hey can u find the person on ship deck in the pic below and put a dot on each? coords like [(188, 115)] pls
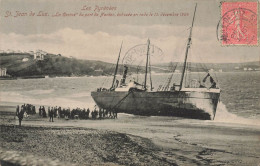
[(212, 81)]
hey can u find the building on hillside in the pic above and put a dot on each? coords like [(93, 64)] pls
[(98, 72), (3, 72), (9, 51), (211, 70), (39, 55), (25, 59)]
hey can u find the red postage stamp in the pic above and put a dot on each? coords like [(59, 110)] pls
[(239, 23)]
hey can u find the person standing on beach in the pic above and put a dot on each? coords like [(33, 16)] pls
[(88, 113), (115, 113), (51, 114), (83, 114), (17, 110), (106, 112), (100, 113), (95, 113), (55, 110), (49, 111), (40, 111), (34, 111), (109, 112), (44, 112), (59, 112), (92, 114), (103, 113), (20, 115)]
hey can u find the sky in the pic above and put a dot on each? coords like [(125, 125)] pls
[(99, 37)]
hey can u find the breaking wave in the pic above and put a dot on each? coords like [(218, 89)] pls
[(77, 95), (37, 92), (15, 97), (224, 116)]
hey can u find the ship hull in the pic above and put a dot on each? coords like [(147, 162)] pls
[(188, 104)]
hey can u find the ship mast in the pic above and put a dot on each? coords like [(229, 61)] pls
[(145, 78), (187, 50), (150, 71), (116, 66)]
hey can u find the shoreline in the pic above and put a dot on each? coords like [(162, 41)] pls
[(153, 140), (100, 76), (235, 120)]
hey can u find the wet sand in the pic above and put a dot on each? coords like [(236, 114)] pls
[(138, 140)]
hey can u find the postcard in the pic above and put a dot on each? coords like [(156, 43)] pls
[(140, 82)]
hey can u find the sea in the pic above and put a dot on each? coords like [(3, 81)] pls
[(239, 100)]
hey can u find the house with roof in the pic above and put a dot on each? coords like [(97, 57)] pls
[(3, 72), (39, 55)]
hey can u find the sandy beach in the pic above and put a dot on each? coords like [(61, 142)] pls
[(133, 140), (95, 66), (81, 146)]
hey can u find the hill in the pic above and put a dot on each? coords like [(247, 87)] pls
[(225, 67), (19, 65), (24, 64)]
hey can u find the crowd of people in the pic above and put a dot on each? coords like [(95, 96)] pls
[(66, 113), (29, 109), (25, 111), (77, 113)]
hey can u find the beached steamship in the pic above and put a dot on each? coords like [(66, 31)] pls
[(194, 101)]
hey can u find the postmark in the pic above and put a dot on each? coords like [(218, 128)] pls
[(136, 55), (238, 24)]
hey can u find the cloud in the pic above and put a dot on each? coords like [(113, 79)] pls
[(105, 46)]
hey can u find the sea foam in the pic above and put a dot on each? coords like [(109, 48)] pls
[(224, 116)]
